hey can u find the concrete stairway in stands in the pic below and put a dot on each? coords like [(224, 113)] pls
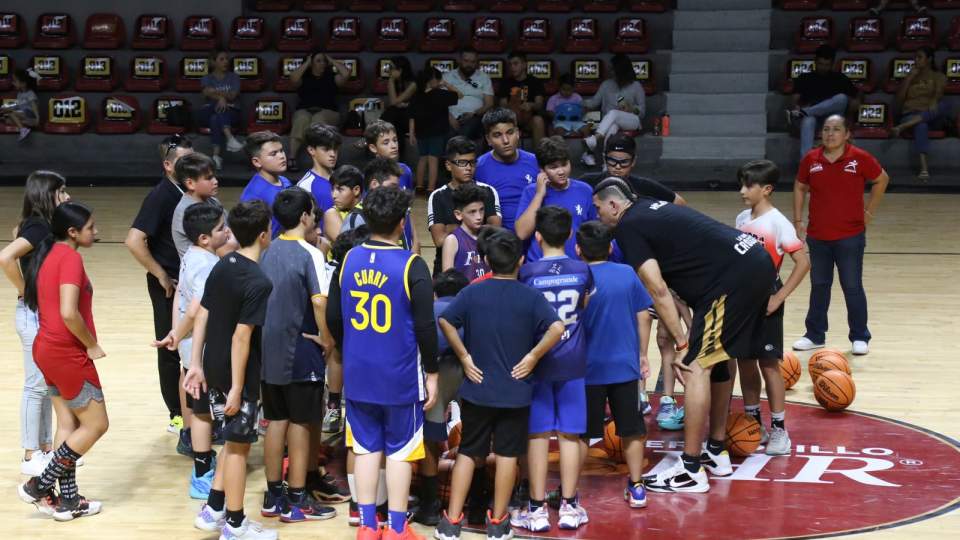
[(718, 81)]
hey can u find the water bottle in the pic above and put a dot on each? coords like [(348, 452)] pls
[(666, 125)]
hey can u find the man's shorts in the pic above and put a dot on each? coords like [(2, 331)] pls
[(507, 427), (395, 430), (623, 398), (200, 405), (771, 342), (559, 406), (298, 402), (239, 428), (448, 385)]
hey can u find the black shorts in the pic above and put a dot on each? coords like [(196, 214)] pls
[(239, 428), (624, 405), (771, 335), (509, 428), (298, 402), (201, 405)]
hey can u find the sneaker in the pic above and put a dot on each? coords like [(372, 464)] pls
[(24, 131), (272, 505), (591, 142), (233, 145), (175, 425), (77, 508), (446, 529), (533, 520), (635, 495), (200, 486), (499, 530), (332, 421), (645, 407), (36, 464), (572, 517), (209, 519), (428, 514), (184, 444), (667, 406), (326, 490), (369, 533), (353, 516), (677, 479), (521, 495), (779, 443), (672, 421), (217, 162), (46, 503), (248, 530), (407, 534), (716, 464), (306, 509), (860, 348), (804, 344), (587, 159)]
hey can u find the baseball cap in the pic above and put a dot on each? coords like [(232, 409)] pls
[(619, 142)]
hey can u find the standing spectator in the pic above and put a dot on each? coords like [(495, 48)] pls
[(428, 124), (317, 81), (819, 94), (920, 97), (565, 109), (834, 176), (524, 95), (221, 112), (477, 91), (24, 114), (506, 166), (401, 88), (622, 101)]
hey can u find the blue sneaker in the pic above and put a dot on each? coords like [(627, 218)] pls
[(306, 509), (670, 416), (635, 495), (200, 487), (272, 505)]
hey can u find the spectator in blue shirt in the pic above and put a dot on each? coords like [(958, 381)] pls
[(221, 112)]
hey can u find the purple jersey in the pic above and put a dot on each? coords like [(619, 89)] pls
[(467, 261), (565, 283)]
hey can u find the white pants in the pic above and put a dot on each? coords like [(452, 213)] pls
[(616, 120)]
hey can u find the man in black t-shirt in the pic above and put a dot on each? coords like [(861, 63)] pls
[(524, 95), (150, 241), (725, 275), (620, 156), (818, 94)]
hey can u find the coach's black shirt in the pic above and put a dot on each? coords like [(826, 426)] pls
[(644, 187), (154, 220)]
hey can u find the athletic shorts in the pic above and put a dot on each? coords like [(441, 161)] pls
[(449, 379), (395, 430), (507, 427), (559, 406), (431, 145), (623, 398), (772, 333), (239, 428), (570, 126), (201, 405), (298, 402), (87, 393)]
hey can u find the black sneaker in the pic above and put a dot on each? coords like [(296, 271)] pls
[(499, 530), (448, 530), (521, 495), (428, 513), (184, 444), (46, 502), (326, 490), (79, 507)]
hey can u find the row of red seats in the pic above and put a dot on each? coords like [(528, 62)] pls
[(860, 72), (874, 120), (150, 73), (867, 34), (201, 32), (551, 6), (859, 5)]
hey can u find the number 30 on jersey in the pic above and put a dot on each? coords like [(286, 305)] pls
[(373, 311)]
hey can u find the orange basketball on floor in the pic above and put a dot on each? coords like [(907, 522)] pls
[(825, 361), (612, 443), (453, 438), (834, 390), (790, 369), (743, 434)]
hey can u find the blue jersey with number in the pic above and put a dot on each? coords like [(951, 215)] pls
[(565, 283), (381, 362)]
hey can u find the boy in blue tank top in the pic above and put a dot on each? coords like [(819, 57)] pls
[(380, 311), (559, 398), (460, 247)]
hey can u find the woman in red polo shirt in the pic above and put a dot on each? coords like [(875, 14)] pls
[(835, 175), (57, 287)]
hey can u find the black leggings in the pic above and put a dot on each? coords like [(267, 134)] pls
[(168, 362)]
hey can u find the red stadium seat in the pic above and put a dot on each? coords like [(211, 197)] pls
[(850, 5), (414, 5), (54, 75), (600, 6), (646, 6), (200, 33), (361, 105), (793, 69), (154, 32), (297, 35), (273, 5), (953, 35), (97, 74), (459, 5), (148, 73), (319, 5), (355, 82), (487, 35), (535, 36), (191, 70), (345, 35), (439, 35), (66, 115), (382, 75), (917, 31), (645, 76), (119, 115), (250, 71), (286, 66), (554, 6), (866, 35), (13, 33), (951, 67), (269, 113), (494, 68), (546, 72), (393, 35), (630, 36), (860, 73), (365, 5), (6, 72), (507, 6), (54, 31), (248, 34), (873, 121), (104, 31), (587, 75), (898, 69), (800, 5), (814, 32), (158, 115), (583, 36)]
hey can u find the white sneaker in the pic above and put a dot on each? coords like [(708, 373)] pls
[(677, 479), (533, 520), (716, 464), (218, 163), (591, 142), (779, 443), (572, 517), (209, 519), (860, 348), (233, 145), (804, 344), (248, 530), (24, 131), (36, 464), (587, 159)]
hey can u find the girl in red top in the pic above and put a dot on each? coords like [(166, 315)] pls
[(57, 287)]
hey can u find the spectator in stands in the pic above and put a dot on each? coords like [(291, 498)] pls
[(917, 6), (428, 124), (920, 97), (524, 95), (819, 94), (316, 81), (565, 109), (477, 91), (621, 100), (401, 87), (221, 87), (24, 113)]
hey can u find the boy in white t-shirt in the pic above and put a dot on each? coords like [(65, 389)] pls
[(757, 180)]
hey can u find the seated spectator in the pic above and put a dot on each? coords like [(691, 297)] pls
[(24, 114), (477, 91), (921, 105), (221, 87), (524, 95), (401, 87), (565, 110), (316, 81), (428, 123), (882, 5), (621, 100), (819, 94)]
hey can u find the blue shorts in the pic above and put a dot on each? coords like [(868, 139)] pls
[(559, 406), (431, 145), (570, 126), (396, 430)]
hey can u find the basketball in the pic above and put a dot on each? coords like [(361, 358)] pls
[(453, 438), (834, 390), (743, 434), (790, 369), (612, 443), (826, 360)]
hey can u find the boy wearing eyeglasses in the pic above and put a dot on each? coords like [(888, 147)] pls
[(619, 158)]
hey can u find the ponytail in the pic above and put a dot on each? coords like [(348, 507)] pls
[(69, 215)]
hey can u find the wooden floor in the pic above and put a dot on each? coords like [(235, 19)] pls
[(912, 373)]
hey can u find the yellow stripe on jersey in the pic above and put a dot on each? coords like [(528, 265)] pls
[(343, 264), (406, 274), (368, 246)]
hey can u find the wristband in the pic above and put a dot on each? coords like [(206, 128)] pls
[(681, 348)]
